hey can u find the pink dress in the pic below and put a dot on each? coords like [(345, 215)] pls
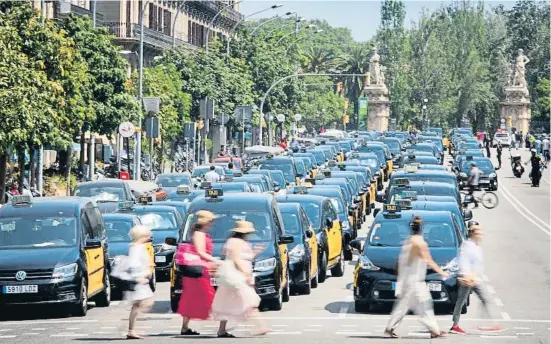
[(235, 304), (197, 293)]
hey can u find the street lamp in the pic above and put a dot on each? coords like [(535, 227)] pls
[(271, 20), (311, 26), (179, 9), (273, 7), (300, 38), (214, 18), (296, 22)]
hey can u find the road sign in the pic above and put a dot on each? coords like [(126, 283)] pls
[(502, 125), (206, 108), (152, 128), (503, 120), (127, 129), (298, 117), (280, 117), (244, 114), (151, 104), (363, 105), (189, 130)]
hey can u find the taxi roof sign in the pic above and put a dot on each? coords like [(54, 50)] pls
[(147, 199), (411, 168), (22, 199), (404, 203), (300, 190), (401, 181), (183, 190), (391, 208), (269, 156), (205, 185), (412, 195), (126, 205), (214, 193)]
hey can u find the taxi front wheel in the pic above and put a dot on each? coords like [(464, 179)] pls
[(338, 270), (81, 309), (104, 298)]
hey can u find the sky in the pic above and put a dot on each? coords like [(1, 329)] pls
[(362, 17)]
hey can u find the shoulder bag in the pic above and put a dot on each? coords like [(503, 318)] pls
[(188, 262)]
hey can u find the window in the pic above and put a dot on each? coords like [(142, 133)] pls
[(304, 219), (87, 228), (331, 211), (152, 16)]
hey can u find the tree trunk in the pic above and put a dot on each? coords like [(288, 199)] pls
[(3, 171), (68, 171), (21, 163), (82, 150), (32, 166)]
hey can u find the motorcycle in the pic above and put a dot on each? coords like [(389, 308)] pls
[(516, 165)]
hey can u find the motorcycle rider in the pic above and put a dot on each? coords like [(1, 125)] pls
[(211, 176), (474, 178), (499, 150), (535, 174)]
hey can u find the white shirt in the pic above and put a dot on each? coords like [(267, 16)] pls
[(545, 144), (471, 259), (212, 177), (475, 175)]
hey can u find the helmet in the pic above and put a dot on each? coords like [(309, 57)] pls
[(533, 150), (472, 223)]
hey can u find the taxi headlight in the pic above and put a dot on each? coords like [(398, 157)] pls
[(265, 265), (493, 175), (463, 175), (297, 253), (366, 264), (452, 267), (65, 271)]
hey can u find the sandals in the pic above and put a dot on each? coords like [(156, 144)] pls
[(133, 336), (189, 332), (440, 335), (261, 332), (226, 335)]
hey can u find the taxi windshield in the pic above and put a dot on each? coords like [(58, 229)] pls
[(484, 165), (393, 233), (222, 227), (414, 177), (371, 162), (291, 224), (313, 212), (301, 169), (320, 157), (287, 169), (158, 220), (118, 230), (393, 145), (37, 231), (100, 193), (279, 178), (199, 171), (173, 181)]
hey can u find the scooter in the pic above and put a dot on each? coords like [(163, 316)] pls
[(516, 165)]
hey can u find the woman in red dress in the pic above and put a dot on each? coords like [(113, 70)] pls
[(197, 293)]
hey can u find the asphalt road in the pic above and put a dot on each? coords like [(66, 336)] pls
[(517, 254)]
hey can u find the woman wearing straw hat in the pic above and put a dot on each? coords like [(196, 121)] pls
[(197, 293), (240, 301), (140, 267)]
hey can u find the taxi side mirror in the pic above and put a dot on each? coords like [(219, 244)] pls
[(171, 241), (277, 188), (375, 212), (329, 223), (467, 214), (356, 244), (309, 234), (93, 243), (286, 239), (381, 197)]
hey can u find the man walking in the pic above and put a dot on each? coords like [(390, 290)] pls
[(545, 148), (474, 178), (498, 154), (411, 288), (471, 269)]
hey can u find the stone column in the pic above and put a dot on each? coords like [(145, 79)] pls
[(517, 106), (378, 111)]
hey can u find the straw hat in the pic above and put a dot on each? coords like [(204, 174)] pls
[(204, 217), (243, 227)]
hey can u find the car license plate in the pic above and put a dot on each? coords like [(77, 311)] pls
[(214, 281), (20, 289), (160, 259), (393, 285), (435, 286)]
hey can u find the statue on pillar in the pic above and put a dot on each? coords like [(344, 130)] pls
[(375, 67), (519, 78)]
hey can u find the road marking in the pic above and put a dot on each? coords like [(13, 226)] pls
[(110, 327), (517, 204), (368, 317), (297, 332), (418, 335), (349, 325), (31, 334), (490, 289), (13, 336), (72, 328), (346, 306), (346, 333), (103, 332), (6, 330), (312, 330), (70, 335), (272, 325), (499, 337), (525, 334), (505, 316), (521, 328), (498, 302), (115, 303), (42, 322), (315, 325), (37, 329)]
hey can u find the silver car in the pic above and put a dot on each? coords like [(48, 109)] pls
[(504, 138)]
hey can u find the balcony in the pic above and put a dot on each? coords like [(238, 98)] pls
[(211, 7), (128, 34), (74, 9)]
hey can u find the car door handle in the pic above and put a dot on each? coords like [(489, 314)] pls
[(96, 257)]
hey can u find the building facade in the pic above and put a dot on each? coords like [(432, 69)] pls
[(167, 23)]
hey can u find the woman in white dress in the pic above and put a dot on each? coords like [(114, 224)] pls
[(238, 303), (140, 267)]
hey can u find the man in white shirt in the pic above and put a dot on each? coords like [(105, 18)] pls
[(471, 269), (211, 176), (474, 178), (545, 148)]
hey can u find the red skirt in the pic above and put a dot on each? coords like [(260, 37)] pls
[(197, 297)]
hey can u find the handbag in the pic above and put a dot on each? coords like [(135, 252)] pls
[(188, 262), (121, 274), (230, 276)]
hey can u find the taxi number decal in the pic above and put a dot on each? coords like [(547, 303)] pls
[(8, 227)]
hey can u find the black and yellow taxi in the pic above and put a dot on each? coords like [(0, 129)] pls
[(311, 161), (166, 225), (271, 266), (488, 179), (107, 193), (303, 252), (351, 200), (53, 250), (324, 219), (370, 184), (383, 154), (372, 161), (118, 228), (360, 188), (268, 179), (169, 182), (184, 193), (375, 274), (335, 152), (282, 163)]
